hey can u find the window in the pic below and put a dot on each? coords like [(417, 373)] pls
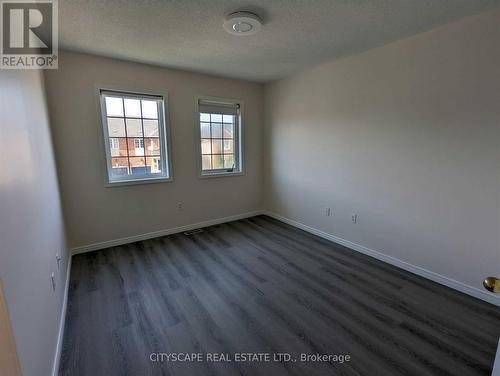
[(139, 143), (220, 137), (156, 165), (131, 122), (114, 143)]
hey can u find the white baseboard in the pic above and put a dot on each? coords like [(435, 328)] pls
[(446, 281), (496, 364), (62, 322), (155, 234), (449, 282)]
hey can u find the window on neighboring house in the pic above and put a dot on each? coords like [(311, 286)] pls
[(139, 143), (220, 137), (114, 143), (156, 165), (131, 122)]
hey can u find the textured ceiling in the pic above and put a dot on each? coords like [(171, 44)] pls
[(188, 34)]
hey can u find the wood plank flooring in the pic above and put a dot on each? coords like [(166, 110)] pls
[(260, 286)]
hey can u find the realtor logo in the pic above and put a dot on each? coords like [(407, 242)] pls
[(29, 34)]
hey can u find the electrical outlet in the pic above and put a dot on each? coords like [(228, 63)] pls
[(179, 206), (354, 218), (328, 212)]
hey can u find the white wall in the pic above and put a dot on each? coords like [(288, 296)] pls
[(406, 136), (31, 225), (95, 213)]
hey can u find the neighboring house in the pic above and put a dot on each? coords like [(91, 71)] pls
[(135, 154)]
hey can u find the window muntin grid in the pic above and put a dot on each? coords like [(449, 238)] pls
[(135, 123), (217, 139)]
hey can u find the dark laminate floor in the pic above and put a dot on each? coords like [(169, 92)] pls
[(258, 285)]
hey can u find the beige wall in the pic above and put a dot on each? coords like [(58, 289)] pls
[(407, 136), (31, 226), (95, 213)]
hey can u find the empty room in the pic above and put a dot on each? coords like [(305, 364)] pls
[(262, 187)]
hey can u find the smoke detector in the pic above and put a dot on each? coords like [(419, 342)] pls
[(242, 23)]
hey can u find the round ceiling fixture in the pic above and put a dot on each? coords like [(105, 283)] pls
[(242, 23)]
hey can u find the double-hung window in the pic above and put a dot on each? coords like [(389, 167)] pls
[(135, 135), (219, 125)]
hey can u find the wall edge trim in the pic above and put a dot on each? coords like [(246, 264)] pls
[(155, 234), (62, 322)]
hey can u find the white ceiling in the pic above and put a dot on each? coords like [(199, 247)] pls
[(188, 34)]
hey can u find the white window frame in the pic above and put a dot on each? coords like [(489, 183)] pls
[(135, 143), (164, 136), (156, 162), (238, 138), (113, 144)]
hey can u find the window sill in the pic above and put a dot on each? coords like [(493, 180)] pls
[(121, 183), (219, 174)]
